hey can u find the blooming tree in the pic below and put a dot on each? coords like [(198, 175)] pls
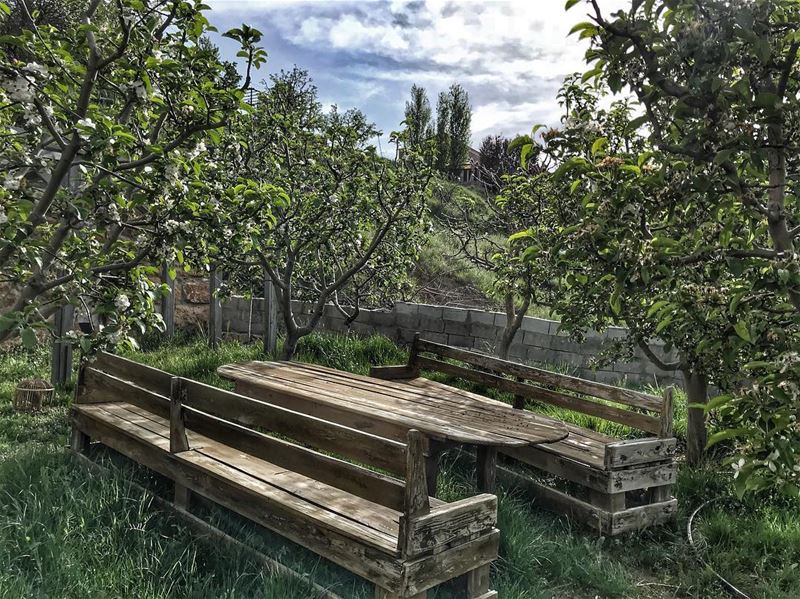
[(344, 223), (104, 127)]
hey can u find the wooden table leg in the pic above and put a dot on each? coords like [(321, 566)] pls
[(487, 468)]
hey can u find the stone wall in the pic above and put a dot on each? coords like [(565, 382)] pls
[(538, 340)]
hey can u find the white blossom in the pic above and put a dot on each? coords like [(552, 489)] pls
[(3, 216), (35, 68), (122, 302), (11, 183), (19, 89), (87, 123)]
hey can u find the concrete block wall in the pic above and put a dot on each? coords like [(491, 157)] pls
[(538, 340)]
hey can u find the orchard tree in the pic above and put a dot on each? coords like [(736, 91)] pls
[(717, 85), (347, 222), (600, 238), (104, 127)]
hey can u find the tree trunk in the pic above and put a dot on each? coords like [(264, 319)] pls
[(696, 393), (290, 345), (513, 323)]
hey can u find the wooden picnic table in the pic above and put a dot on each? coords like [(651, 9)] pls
[(446, 415)]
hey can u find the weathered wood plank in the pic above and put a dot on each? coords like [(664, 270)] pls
[(348, 477), (147, 377), (609, 392), (638, 451), (478, 582), (451, 522), (389, 373), (644, 516), (424, 573), (667, 414), (569, 402), (455, 409), (486, 469), (361, 559), (329, 436), (265, 378), (177, 426)]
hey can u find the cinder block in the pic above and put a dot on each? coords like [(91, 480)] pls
[(435, 325), (500, 319), (460, 341), (435, 337), (481, 317), (485, 331), (457, 328), (455, 314), (570, 358), (616, 333), (405, 308), (407, 321), (541, 355), (433, 312), (532, 339), (560, 343), (535, 325)]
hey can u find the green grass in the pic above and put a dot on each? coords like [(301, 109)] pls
[(65, 532)]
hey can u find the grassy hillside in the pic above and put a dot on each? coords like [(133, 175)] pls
[(66, 533)]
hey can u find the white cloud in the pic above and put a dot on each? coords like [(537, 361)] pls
[(510, 55)]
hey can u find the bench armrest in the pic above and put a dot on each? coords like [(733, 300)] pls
[(449, 523), (638, 451)]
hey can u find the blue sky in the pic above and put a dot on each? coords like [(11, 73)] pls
[(510, 55)]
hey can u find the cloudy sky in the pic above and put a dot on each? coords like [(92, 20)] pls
[(510, 55)]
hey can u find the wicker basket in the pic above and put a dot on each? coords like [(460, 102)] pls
[(32, 394)]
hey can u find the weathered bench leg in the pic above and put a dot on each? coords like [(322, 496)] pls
[(381, 593), (432, 463), (78, 441), (487, 468), (610, 502), (478, 582)]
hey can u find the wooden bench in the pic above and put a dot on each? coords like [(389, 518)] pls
[(384, 528), (619, 485)]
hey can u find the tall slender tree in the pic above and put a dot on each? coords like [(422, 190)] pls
[(442, 132), (458, 128), (418, 117)]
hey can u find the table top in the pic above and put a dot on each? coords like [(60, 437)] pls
[(441, 412)]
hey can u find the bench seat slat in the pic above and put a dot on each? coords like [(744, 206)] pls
[(327, 506)]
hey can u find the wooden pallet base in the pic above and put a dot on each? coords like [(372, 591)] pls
[(608, 523)]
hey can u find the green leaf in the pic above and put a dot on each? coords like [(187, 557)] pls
[(6, 323), (743, 331), (4, 8), (570, 4), (583, 26), (718, 401), (29, 339), (730, 433), (599, 144), (615, 303), (521, 235)]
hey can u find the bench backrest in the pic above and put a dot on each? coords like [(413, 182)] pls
[(642, 411), (239, 422), (303, 443)]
